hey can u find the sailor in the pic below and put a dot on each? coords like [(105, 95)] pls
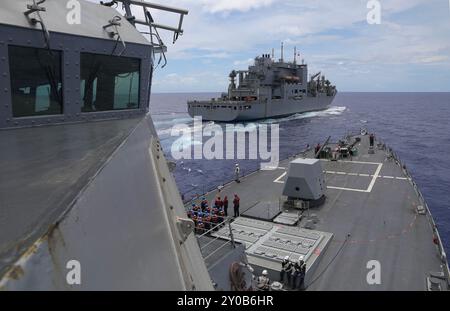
[(219, 188), (237, 171), (286, 269), (214, 221), (302, 275), (371, 139), (218, 203), (236, 205), (298, 274), (200, 226), (207, 221), (204, 204), (225, 205), (214, 210), (336, 153), (194, 219), (263, 282), (221, 215), (316, 149)]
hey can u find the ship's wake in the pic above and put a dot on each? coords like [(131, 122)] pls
[(186, 127), (332, 111)]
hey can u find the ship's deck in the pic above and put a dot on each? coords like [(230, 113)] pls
[(371, 208)]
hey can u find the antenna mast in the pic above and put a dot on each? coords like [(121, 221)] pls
[(281, 52), (295, 55)]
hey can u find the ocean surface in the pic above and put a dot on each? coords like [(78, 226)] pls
[(415, 125)]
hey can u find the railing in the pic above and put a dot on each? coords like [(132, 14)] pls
[(393, 155), (207, 233), (208, 190)]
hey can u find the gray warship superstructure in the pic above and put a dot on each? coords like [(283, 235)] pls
[(84, 185), (267, 89)]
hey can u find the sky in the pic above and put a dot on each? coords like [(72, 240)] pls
[(409, 51)]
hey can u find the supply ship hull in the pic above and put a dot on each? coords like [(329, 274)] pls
[(233, 111)]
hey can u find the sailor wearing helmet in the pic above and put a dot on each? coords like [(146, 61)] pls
[(286, 269), (263, 281), (237, 172), (298, 274)]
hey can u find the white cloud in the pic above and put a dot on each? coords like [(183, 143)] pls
[(220, 55), (332, 36), (217, 6), (434, 59)]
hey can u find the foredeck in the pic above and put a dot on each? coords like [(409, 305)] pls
[(371, 208)]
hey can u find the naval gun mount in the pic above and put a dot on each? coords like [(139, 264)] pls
[(305, 184), (304, 188)]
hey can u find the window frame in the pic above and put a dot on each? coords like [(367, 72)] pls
[(111, 110), (61, 73), (71, 46)]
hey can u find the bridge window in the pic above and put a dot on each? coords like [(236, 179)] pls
[(109, 82), (36, 81)]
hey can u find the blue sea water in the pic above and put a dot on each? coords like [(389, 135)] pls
[(415, 125)]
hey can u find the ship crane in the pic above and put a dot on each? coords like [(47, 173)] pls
[(313, 77)]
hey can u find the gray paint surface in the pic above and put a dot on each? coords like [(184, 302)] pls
[(42, 170), (93, 17), (383, 224), (121, 227)]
